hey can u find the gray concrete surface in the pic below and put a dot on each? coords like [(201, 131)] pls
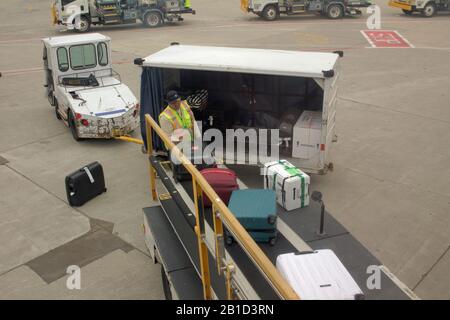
[(390, 186)]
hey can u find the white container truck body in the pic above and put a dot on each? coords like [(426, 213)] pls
[(276, 80)]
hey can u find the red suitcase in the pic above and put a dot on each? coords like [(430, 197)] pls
[(223, 181)]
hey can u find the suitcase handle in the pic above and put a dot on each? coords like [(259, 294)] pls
[(304, 252), (215, 170), (271, 219), (89, 174)]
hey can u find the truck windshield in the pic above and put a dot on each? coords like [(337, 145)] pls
[(83, 56)]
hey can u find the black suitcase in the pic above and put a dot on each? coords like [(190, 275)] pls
[(181, 174), (85, 184)]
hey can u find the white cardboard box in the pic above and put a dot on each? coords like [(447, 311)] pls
[(307, 135), (291, 188), (318, 275)]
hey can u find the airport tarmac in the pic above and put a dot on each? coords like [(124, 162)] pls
[(390, 185)]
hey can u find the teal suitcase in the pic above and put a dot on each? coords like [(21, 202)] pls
[(256, 210)]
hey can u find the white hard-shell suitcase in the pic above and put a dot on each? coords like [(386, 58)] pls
[(318, 275), (290, 184)]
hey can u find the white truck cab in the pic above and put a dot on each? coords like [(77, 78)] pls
[(87, 94), (65, 11), (80, 15)]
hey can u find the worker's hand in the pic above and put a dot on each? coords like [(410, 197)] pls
[(180, 135)]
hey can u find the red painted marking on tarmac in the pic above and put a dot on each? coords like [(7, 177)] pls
[(386, 39)]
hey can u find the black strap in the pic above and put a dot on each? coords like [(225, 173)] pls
[(267, 173), (283, 192)]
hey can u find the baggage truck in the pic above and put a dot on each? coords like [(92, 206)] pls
[(87, 95), (282, 85), (80, 15), (428, 8), (333, 9)]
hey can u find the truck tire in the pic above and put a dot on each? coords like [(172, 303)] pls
[(153, 19), (51, 97), (58, 116), (85, 25), (429, 10), (73, 127), (270, 13), (166, 284), (407, 12), (335, 11)]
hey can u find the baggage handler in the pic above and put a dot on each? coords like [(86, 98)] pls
[(177, 119)]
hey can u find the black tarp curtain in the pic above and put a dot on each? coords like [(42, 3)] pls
[(152, 101), (229, 92), (245, 98)]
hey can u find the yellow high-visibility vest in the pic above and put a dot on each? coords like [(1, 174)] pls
[(179, 120)]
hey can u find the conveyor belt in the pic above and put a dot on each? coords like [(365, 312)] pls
[(303, 222), (173, 257), (184, 231), (248, 268), (183, 222)]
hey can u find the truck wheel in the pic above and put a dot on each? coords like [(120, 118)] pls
[(51, 97), (407, 12), (270, 13), (73, 127), (166, 284), (58, 116), (429, 10), (85, 25), (335, 11), (153, 19)]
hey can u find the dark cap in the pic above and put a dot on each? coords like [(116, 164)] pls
[(172, 96)]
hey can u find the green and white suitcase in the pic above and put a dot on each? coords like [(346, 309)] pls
[(290, 184)]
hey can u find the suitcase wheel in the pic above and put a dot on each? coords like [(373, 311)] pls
[(272, 219), (229, 240), (272, 241)]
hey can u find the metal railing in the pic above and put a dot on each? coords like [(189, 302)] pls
[(221, 214), (87, 73), (244, 5)]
